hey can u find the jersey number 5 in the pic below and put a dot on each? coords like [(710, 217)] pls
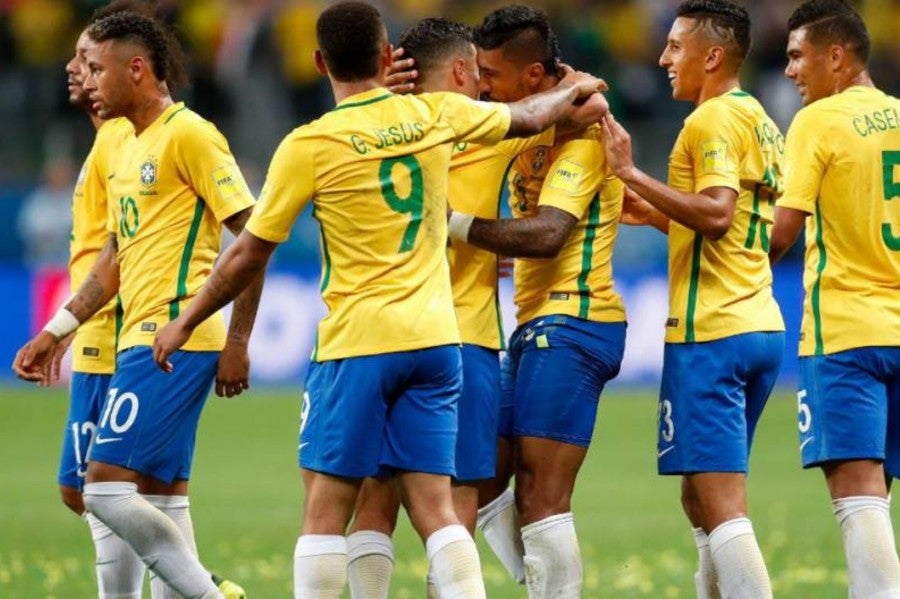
[(412, 203), (890, 163)]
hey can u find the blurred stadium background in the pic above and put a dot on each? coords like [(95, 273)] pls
[(253, 76)]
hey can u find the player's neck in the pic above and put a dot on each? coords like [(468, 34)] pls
[(147, 110), (717, 86), (344, 89), (96, 121), (858, 78)]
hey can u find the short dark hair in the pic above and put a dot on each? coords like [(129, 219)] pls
[(164, 51), (833, 22), (722, 20), (524, 31), (431, 41), (148, 8), (350, 37)]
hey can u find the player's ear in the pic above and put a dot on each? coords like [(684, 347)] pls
[(320, 62), (715, 56), (459, 72), (138, 68), (836, 55), (534, 74), (387, 57)]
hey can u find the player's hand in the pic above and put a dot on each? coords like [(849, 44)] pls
[(58, 353), (400, 77), (32, 362), (168, 340), (591, 111), (618, 147), (233, 371), (562, 70), (584, 83), (636, 211)]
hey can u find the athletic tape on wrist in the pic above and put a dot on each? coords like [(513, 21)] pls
[(62, 323), (459, 224)]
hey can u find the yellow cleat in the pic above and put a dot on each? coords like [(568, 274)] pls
[(231, 590)]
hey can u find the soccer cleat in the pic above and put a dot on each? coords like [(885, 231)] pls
[(231, 590)]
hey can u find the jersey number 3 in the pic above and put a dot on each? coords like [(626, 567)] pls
[(412, 203), (890, 163)]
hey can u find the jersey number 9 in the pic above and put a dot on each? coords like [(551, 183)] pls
[(412, 203)]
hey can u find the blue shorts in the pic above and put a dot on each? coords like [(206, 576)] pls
[(553, 374), (711, 398), (87, 394), (149, 422), (395, 411), (476, 442), (849, 407)]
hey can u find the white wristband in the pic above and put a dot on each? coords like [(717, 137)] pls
[(459, 224), (62, 323)]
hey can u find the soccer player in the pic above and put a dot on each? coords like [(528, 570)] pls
[(382, 388), (843, 184), (444, 55), (170, 185), (724, 334), (571, 332)]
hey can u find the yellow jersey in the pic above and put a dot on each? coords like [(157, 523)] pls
[(572, 176), (169, 190), (843, 169), (375, 169), (723, 288), (94, 346), (477, 177)]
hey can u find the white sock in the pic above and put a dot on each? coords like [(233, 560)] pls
[(370, 561), (152, 535), (499, 522), (177, 508), (120, 572), (552, 558), (453, 563), (872, 565), (320, 567), (431, 591), (738, 561), (705, 577)]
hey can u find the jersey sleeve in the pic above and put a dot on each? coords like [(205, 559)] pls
[(575, 177), (804, 164), (484, 123), (714, 143), (289, 187), (206, 163), (514, 146)]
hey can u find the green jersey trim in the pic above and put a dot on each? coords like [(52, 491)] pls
[(363, 102), (815, 295), (693, 288), (181, 286), (587, 256)]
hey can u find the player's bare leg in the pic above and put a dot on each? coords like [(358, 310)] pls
[(545, 479), (452, 555), (705, 579), (370, 551), (320, 557), (111, 494), (716, 501), (862, 507)]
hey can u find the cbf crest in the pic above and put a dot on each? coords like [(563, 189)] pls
[(148, 172), (540, 159)]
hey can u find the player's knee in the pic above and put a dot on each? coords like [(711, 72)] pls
[(71, 497), (534, 503)]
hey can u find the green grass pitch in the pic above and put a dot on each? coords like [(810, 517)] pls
[(246, 500)]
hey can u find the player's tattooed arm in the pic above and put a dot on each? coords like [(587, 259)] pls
[(237, 269), (537, 112), (247, 302), (101, 285), (540, 236)]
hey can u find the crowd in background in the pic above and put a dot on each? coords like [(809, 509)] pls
[(252, 74)]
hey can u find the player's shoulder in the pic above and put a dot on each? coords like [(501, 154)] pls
[(182, 121), (113, 131), (583, 141)]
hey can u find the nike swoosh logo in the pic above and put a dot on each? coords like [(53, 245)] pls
[(302, 445), (111, 176), (664, 451), (805, 443), (101, 441)]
